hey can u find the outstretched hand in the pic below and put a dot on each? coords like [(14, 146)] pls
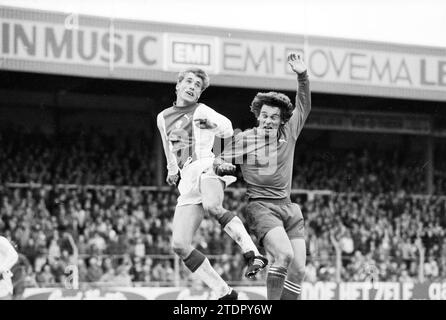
[(296, 62)]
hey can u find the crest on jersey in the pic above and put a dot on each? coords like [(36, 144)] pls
[(178, 124)]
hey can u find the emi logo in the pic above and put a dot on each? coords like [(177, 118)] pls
[(191, 53)]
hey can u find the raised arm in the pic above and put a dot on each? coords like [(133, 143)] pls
[(303, 95), (172, 166)]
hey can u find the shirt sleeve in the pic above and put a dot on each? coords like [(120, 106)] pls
[(233, 150), (8, 254), (172, 166), (238, 149), (303, 104), (224, 125)]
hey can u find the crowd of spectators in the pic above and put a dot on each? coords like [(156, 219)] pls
[(361, 170), (384, 232), (122, 235), (87, 156), (92, 157)]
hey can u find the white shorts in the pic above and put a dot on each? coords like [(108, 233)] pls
[(191, 176)]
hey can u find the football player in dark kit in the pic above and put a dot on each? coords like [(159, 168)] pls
[(265, 154)]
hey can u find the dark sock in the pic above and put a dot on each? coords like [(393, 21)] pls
[(202, 268), (291, 291), (274, 282), (226, 218), (194, 260)]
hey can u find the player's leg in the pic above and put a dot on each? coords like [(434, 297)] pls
[(292, 288), (186, 221), (278, 245), (294, 224), (212, 191)]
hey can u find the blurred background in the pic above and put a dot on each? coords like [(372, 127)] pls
[(82, 169)]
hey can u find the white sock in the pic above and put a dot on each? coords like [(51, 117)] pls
[(236, 230), (213, 280)]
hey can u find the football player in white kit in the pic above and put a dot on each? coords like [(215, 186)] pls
[(8, 257), (188, 130)]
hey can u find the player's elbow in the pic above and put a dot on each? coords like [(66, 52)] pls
[(226, 132)]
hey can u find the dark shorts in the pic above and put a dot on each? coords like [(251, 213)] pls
[(262, 215)]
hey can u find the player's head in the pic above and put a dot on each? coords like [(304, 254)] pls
[(272, 110), (190, 85)]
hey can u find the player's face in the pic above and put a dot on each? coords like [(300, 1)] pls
[(189, 89), (269, 119)]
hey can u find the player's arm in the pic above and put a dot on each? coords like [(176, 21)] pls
[(303, 95), (234, 152), (208, 118), (172, 166), (9, 253)]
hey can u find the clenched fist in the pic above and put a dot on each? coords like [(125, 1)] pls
[(225, 169), (173, 179)]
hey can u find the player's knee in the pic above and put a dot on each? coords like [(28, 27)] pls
[(299, 272), (296, 271), (214, 208), (284, 257), (180, 249)]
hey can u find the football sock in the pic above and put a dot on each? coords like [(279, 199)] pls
[(291, 291), (274, 282), (200, 265), (234, 227)]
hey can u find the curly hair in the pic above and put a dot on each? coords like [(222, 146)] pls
[(273, 99), (200, 73)]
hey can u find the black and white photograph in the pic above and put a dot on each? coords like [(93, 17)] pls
[(222, 150)]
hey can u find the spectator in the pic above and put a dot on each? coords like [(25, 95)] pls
[(122, 276), (94, 270), (46, 277)]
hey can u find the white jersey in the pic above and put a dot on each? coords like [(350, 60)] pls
[(183, 141), (8, 258), (188, 148)]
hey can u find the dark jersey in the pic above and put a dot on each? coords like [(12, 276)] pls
[(267, 162)]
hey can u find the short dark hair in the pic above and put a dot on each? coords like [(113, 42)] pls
[(273, 99), (199, 73)]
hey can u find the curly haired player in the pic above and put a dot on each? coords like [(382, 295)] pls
[(265, 154)]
